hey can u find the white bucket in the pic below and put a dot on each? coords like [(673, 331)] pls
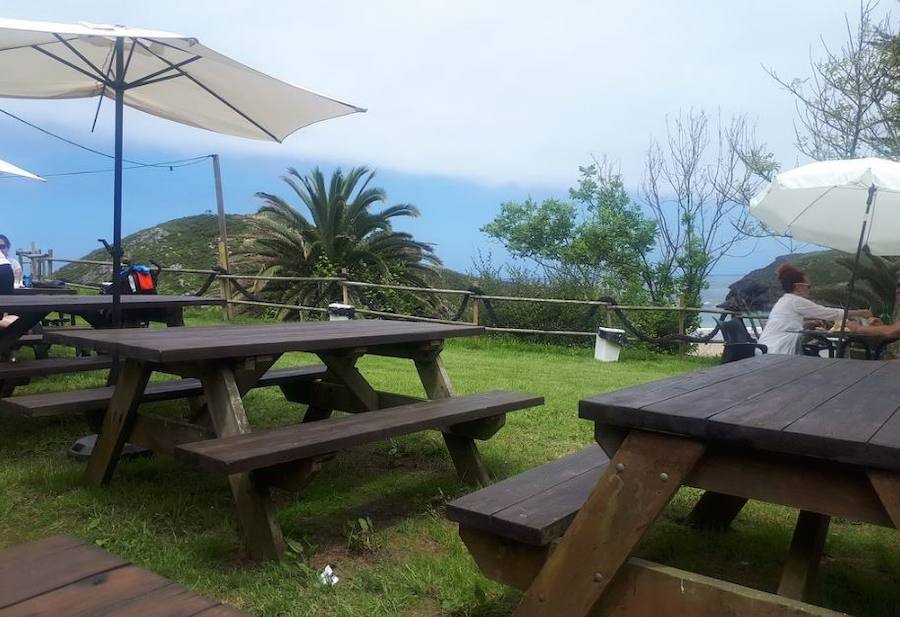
[(340, 312), (604, 350)]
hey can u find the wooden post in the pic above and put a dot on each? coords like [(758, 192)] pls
[(476, 305), (50, 263), (227, 292), (681, 314), (345, 291)]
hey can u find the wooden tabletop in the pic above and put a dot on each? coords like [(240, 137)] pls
[(829, 408), (218, 342), (66, 577), (18, 304)]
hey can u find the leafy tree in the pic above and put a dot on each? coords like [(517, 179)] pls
[(875, 287), (341, 233), (598, 239), (848, 106)]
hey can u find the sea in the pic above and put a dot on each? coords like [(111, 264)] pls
[(715, 294)]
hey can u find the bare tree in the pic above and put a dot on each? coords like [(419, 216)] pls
[(698, 187), (846, 107)]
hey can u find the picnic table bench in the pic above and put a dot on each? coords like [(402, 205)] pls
[(230, 360), (816, 434), (62, 576)]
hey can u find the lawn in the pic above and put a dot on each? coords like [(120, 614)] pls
[(376, 514)]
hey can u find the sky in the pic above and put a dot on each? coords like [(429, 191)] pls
[(470, 104)]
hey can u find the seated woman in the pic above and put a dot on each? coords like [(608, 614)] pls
[(781, 334), (7, 279)]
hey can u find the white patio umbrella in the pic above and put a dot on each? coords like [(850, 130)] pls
[(845, 205), (7, 168), (164, 74)]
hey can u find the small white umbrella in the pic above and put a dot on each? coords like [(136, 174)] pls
[(168, 75), (7, 168), (843, 204)]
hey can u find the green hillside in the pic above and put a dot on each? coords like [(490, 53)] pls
[(188, 242)]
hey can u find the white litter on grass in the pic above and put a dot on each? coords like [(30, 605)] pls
[(327, 577)]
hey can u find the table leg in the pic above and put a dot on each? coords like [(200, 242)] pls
[(254, 504), (715, 511), (175, 316), (463, 450), (117, 423), (642, 477), (804, 556), (887, 487)]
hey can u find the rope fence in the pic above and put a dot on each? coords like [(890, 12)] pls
[(472, 298)]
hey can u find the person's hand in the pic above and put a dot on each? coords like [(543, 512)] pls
[(854, 326), (813, 324), (874, 321)]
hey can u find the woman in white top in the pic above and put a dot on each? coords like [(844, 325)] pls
[(786, 318)]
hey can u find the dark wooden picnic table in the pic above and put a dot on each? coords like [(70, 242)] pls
[(837, 345), (95, 309), (229, 360), (818, 434), (62, 576)]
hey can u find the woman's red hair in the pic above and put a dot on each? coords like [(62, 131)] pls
[(789, 275)]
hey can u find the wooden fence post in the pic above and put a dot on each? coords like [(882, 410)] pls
[(49, 263), (476, 305), (345, 291)]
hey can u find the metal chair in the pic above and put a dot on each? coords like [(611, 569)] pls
[(739, 345)]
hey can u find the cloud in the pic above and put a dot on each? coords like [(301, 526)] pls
[(498, 92)]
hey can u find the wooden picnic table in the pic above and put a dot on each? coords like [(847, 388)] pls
[(62, 576), (818, 434), (228, 360), (32, 309), (873, 345)]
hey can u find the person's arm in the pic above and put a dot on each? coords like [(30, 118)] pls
[(887, 331)]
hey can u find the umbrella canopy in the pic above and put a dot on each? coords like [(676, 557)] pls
[(12, 170), (164, 74), (168, 75), (825, 203)]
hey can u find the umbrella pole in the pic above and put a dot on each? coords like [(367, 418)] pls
[(852, 284), (117, 190)]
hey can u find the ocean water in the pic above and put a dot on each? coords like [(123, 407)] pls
[(715, 294)]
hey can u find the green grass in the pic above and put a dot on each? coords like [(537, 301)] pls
[(179, 522)]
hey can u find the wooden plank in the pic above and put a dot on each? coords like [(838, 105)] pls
[(281, 445), (35, 568), (53, 366), (797, 482), (328, 395), (804, 555), (162, 434), (642, 588), (169, 601), (641, 479), (544, 517), (117, 422), (686, 414), (90, 595), (262, 534), (887, 486), (477, 509), (786, 405), (91, 399), (663, 389), (164, 345), (342, 368), (715, 511)]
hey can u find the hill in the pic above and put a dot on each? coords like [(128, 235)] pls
[(759, 289), (188, 242)]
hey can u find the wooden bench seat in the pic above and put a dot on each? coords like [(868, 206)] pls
[(534, 507), (24, 369), (268, 448), (62, 576), (96, 399)]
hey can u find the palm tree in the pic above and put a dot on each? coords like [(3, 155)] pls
[(342, 233), (875, 288)]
